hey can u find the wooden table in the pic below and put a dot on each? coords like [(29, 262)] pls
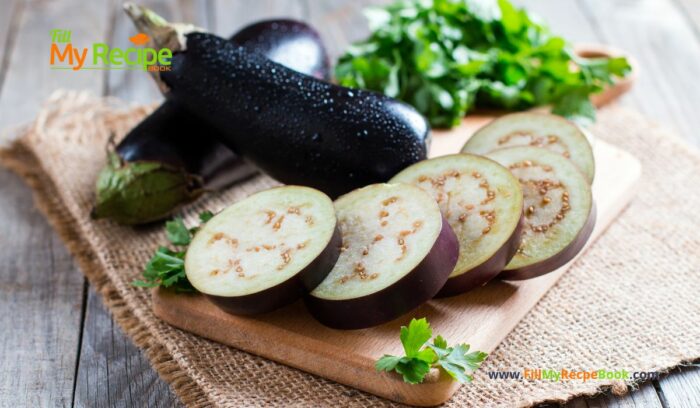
[(59, 345)]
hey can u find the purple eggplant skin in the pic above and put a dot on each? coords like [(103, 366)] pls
[(488, 270), (295, 128), (415, 288), (166, 136), (288, 291), (172, 156), (291, 43), (554, 262)]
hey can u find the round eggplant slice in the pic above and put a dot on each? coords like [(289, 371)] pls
[(544, 130), (397, 253), (483, 203), (558, 206), (265, 251)]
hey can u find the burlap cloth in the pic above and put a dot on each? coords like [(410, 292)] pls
[(632, 302)]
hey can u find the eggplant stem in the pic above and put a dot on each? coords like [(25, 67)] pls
[(161, 33)]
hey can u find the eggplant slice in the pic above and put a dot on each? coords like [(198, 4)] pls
[(265, 251), (544, 130), (397, 253), (559, 210), (483, 203)]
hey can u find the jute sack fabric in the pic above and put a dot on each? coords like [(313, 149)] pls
[(631, 302)]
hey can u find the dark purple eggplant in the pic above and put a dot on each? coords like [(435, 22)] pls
[(172, 156), (288, 42), (294, 127)]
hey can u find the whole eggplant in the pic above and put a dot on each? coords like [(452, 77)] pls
[(294, 127), (172, 156)]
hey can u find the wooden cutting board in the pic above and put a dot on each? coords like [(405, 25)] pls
[(481, 318)]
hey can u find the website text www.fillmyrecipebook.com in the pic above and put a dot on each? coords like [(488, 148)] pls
[(572, 375)]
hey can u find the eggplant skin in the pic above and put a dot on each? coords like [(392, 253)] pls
[(562, 258), (488, 270), (173, 136), (297, 129), (169, 135), (292, 43), (288, 291), (172, 156), (409, 292)]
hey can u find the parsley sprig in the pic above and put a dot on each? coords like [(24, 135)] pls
[(445, 57), (167, 266), (420, 357)]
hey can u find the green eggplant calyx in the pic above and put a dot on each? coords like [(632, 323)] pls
[(142, 191)]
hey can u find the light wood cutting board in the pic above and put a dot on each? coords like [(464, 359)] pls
[(481, 318)]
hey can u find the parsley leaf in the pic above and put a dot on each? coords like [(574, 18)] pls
[(177, 232), (205, 216), (412, 370), (414, 336), (167, 267), (421, 356), (447, 57), (456, 361)]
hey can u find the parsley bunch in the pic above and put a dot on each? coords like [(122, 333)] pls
[(420, 357), (446, 56), (167, 267)]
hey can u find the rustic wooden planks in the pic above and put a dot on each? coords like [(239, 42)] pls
[(8, 27), (29, 80), (657, 34), (27, 262), (41, 295), (228, 17), (112, 371), (681, 387), (644, 397), (41, 291), (340, 22)]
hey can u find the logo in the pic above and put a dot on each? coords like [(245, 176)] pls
[(65, 56)]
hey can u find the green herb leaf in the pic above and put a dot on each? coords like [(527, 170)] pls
[(456, 361), (167, 267), (387, 363), (576, 106), (205, 216), (445, 57), (177, 232), (420, 357), (415, 336), (412, 370)]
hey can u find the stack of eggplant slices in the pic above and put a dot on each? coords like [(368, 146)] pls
[(514, 204)]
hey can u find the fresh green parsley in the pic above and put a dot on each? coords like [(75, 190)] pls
[(167, 266), (420, 355), (446, 57)]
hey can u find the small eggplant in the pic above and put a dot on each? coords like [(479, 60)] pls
[(295, 128), (172, 157)]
